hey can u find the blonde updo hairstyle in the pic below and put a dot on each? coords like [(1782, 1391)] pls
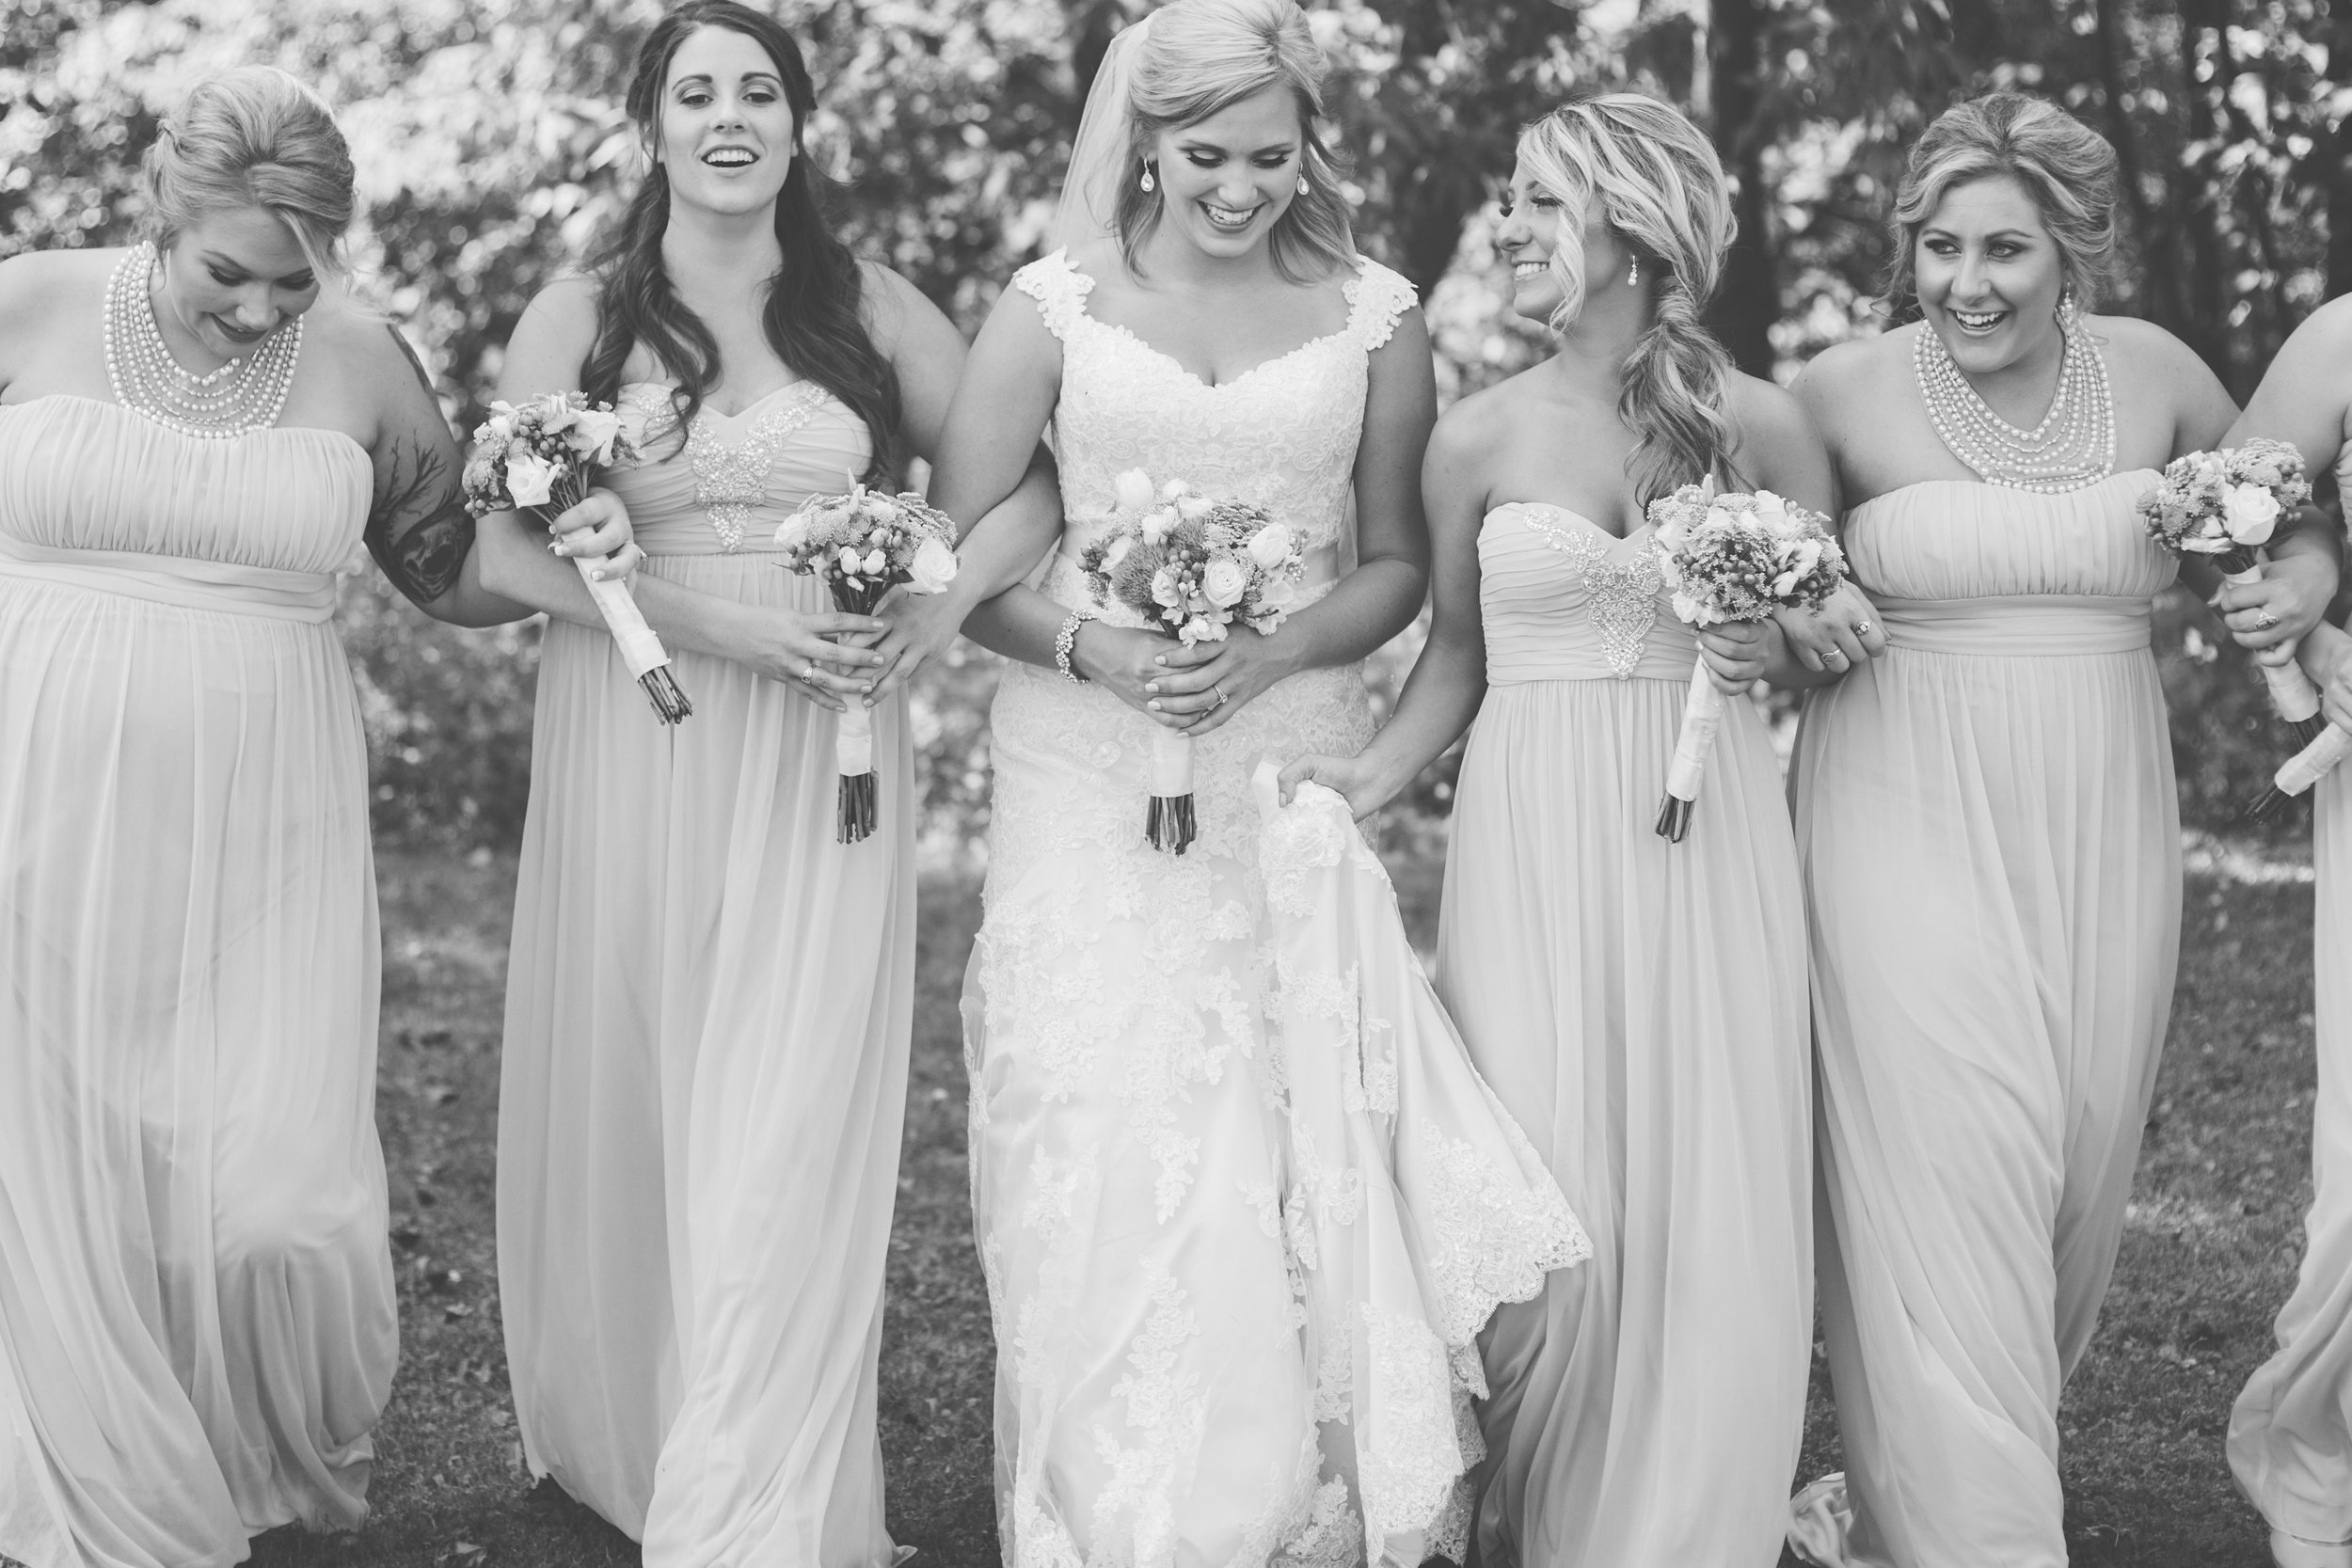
[(2065, 166), (254, 136), (1654, 179), (1202, 57)]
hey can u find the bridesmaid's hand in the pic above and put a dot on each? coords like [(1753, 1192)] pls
[(922, 626), (1356, 778), (1122, 661), (1206, 684), (786, 646), (1836, 638), (2283, 607), (1736, 653), (598, 525)]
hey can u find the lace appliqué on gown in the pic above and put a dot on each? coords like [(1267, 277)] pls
[(1623, 598)]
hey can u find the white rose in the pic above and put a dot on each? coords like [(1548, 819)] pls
[(1156, 524), (1174, 488), (593, 433), (877, 563), (1692, 611), (2251, 512), (1164, 588), (1768, 507), (792, 533), (850, 563), (1194, 508), (1271, 546), (1225, 581), (529, 479), (933, 569), (1133, 490), (1201, 630)]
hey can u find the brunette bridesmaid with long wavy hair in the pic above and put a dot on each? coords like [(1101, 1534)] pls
[(710, 998)]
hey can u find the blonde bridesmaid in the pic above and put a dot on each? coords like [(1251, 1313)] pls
[(2291, 1432), (710, 998), (197, 436), (1639, 1005), (1992, 851)]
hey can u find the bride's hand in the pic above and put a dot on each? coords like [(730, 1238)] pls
[(1122, 661), (598, 525), (1355, 778), (788, 647), (1199, 688)]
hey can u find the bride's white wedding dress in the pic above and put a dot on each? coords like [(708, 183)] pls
[(1241, 1200)]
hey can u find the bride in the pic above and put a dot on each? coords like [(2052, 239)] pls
[(1202, 1357)]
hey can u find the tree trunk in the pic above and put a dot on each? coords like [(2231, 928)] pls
[(1748, 301), (2197, 204), (2162, 301), (2339, 163)]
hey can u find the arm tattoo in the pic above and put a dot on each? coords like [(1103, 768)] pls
[(418, 528)]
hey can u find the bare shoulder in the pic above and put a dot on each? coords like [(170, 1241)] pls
[(1479, 425), (2324, 339), (892, 304), (565, 311), (1854, 370), (1765, 411), (2135, 348)]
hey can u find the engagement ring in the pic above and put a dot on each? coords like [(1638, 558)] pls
[(2264, 621), (1220, 698), (1861, 628), (809, 673)]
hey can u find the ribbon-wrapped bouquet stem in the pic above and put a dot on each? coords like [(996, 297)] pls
[(2226, 505), (1190, 565), (541, 458), (863, 543), (1731, 556)]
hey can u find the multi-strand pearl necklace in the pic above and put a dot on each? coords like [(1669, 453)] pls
[(2073, 445), (241, 396)]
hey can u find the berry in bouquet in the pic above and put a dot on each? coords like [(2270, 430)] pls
[(863, 543), (541, 457), (2226, 505), (1189, 566), (1728, 556)]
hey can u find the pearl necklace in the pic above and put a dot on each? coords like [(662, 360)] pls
[(2072, 447), (241, 396)]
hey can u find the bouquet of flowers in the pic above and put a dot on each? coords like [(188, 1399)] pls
[(2227, 504), (1731, 556), (540, 458), (1190, 565), (863, 543)]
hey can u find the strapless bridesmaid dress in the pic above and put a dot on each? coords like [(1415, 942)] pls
[(707, 1019), (197, 1319), (1640, 1007), (1993, 861), (2291, 1430)]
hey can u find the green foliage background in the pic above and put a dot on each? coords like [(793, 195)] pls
[(491, 149)]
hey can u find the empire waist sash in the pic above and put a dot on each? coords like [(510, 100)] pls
[(2012, 626), (268, 591)]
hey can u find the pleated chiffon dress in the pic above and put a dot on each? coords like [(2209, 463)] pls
[(1992, 852), (708, 1012), (2291, 1430), (197, 1320), (1640, 1007)]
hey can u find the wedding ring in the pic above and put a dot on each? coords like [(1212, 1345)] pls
[(1838, 654), (809, 673), (1220, 697), (1861, 628), (2264, 621)]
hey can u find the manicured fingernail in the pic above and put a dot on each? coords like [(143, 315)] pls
[(1151, 686), (1159, 659), (1155, 707)]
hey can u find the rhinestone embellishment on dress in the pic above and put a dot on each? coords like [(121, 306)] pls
[(730, 481), (1623, 599)]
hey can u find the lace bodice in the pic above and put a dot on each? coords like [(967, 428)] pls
[(1562, 599), (1283, 434)]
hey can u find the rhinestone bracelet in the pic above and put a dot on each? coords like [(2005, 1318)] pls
[(1066, 642)]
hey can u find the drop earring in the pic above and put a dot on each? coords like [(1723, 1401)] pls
[(1302, 184), (1146, 180), (1633, 273)]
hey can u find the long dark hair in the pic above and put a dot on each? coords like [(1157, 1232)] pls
[(811, 316)]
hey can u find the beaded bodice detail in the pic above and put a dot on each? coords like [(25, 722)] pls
[(1283, 434), (723, 486), (1562, 599)]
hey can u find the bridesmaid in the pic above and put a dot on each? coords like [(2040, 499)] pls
[(1989, 837), (1638, 1006), (709, 1003), (2291, 1433), (197, 1320)]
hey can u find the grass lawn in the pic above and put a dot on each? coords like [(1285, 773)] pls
[(2208, 1255)]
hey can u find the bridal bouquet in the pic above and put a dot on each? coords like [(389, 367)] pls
[(1191, 565), (2226, 505), (863, 543), (1731, 556), (541, 457)]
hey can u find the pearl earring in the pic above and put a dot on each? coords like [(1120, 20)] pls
[(1146, 177), (1633, 273), (1302, 184)]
